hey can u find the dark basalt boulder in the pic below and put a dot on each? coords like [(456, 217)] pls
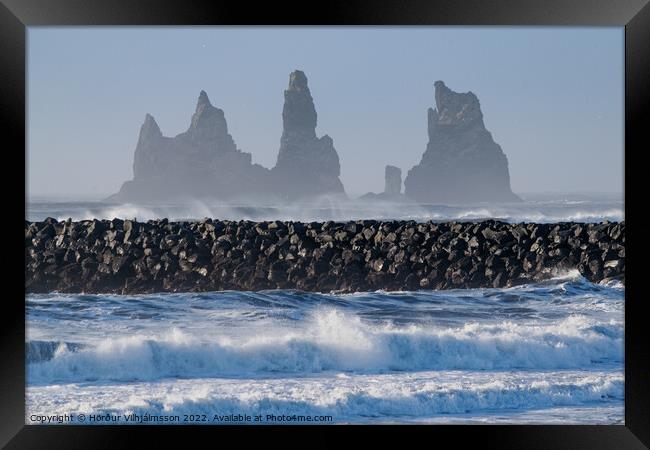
[(462, 163), (140, 257), (307, 166)]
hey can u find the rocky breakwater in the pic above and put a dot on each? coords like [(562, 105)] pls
[(123, 256)]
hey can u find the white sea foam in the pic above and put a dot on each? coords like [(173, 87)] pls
[(537, 353), (349, 398), (333, 340)]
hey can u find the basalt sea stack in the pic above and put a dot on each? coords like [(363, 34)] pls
[(392, 180), (392, 187), (462, 163), (205, 163), (202, 162), (307, 166)]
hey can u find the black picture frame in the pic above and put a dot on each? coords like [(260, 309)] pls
[(634, 15)]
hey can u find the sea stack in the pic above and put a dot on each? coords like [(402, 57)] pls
[(393, 180), (202, 162), (307, 166), (462, 163)]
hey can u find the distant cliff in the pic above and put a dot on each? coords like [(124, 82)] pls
[(462, 163), (205, 163)]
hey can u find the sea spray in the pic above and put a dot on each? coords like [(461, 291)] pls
[(527, 354), (335, 340)]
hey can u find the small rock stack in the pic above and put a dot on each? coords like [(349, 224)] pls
[(124, 256), (392, 180)]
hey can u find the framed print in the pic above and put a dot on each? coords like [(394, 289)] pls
[(403, 218)]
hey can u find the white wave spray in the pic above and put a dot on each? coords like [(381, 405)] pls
[(333, 340)]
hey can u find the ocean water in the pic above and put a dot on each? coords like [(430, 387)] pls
[(535, 208), (551, 352)]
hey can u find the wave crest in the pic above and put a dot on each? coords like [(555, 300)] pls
[(334, 340)]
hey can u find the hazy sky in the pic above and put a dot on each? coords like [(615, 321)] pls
[(551, 97)]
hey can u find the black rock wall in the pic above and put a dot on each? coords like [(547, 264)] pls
[(123, 256)]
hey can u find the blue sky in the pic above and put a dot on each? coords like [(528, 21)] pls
[(552, 97)]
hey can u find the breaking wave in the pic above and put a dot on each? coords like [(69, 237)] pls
[(335, 341), (346, 398), (548, 351)]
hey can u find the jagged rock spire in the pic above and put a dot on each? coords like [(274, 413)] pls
[(203, 99), (299, 113), (462, 163), (149, 143), (208, 122), (456, 110), (307, 166), (202, 162), (149, 128)]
